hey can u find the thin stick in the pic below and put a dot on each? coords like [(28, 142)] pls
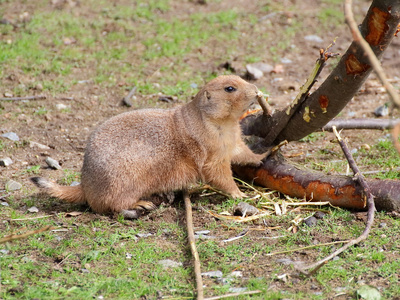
[(192, 243), (13, 237), (370, 203), (33, 218), (234, 295), (306, 247), (39, 97), (348, 14)]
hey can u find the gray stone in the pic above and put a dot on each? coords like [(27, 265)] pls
[(311, 221), (382, 225), (52, 163), (253, 72), (212, 274), (11, 136), (4, 204), (168, 263), (5, 161), (74, 183), (143, 235), (12, 185), (382, 111)]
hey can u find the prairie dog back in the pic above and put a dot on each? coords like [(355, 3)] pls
[(138, 153)]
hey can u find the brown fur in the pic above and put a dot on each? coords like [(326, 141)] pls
[(138, 153)]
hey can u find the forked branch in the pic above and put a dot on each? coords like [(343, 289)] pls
[(370, 204)]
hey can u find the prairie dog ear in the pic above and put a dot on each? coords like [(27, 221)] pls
[(207, 95)]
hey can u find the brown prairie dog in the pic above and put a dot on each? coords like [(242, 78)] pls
[(142, 152)]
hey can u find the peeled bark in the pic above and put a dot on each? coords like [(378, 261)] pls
[(313, 112), (296, 181)]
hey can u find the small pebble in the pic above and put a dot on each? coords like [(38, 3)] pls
[(39, 146), (85, 271), (33, 209), (12, 185), (4, 204), (11, 136), (143, 235), (212, 274), (8, 95), (319, 214), (194, 85), (382, 111), (311, 221), (61, 106), (202, 232), (382, 225), (245, 209), (5, 162), (74, 183), (52, 163), (253, 72)]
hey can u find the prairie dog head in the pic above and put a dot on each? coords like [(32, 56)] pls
[(226, 97)]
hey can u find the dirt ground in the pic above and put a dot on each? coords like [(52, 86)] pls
[(88, 103)]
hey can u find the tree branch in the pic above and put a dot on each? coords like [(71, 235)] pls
[(371, 210)]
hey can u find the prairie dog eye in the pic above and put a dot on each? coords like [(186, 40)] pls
[(230, 89)]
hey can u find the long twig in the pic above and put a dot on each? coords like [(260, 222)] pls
[(233, 295), (370, 204), (39, 97), (192, 243), (13, 237), (348, 14)]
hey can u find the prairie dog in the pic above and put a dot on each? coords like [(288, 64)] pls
[(142, 152)]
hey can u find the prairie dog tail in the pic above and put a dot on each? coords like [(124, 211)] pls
[(73, 194)]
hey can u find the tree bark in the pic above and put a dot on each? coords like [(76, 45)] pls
[(378, 28), (296, 181)]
